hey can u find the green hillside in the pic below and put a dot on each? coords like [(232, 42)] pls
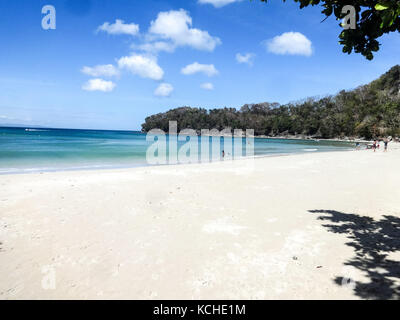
[(369, 111)]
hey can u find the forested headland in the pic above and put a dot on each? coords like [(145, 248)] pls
[(369, 111)]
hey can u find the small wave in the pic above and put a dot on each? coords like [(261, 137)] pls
[(6, 171), (35, 130), (310, 150), (26, 170)]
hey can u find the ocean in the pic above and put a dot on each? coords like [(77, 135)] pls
[(24, 150)]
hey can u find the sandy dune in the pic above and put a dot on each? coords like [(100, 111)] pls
[(311, 226)]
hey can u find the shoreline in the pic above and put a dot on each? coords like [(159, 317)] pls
[(314, 139), (250, 229), (128, 167)]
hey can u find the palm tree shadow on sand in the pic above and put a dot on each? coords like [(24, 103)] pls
[(373, 241)]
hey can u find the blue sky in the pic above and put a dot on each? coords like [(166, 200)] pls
[(214, 56)]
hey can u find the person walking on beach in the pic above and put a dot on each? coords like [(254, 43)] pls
[(385, 142), (374, 146)]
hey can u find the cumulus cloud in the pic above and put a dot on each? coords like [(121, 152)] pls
[(293, 43), (218, 3), (107, 70), (164, 90), (207, 69), (99, 85), (141, 65), (154, 47), (245, 58), (119, 27), (176, 26), (207, 86)]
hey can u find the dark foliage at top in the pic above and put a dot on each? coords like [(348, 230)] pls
[(369, 111), (374, 18)]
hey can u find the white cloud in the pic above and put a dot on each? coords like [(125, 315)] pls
[(154, 47), (207, 86), (119, 27), (107, 70), (143, 66), (99, 85), (245, 58), (293, 43), (6, 117), (218, 3), (196, 67), (176, 26), (164, 90)]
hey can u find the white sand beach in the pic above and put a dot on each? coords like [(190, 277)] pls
[(291, 227)]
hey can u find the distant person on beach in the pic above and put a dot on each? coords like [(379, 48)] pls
[(223, 153), (357, 146), (374, 146), (385, 142)]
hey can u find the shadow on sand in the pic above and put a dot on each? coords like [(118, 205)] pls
[(373, 241)]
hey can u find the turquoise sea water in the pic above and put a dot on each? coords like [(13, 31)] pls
[(33, 150)]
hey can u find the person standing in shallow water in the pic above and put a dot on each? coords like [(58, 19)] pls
[(223, 154)]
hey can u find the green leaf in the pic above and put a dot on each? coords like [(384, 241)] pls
[(380, 7)]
